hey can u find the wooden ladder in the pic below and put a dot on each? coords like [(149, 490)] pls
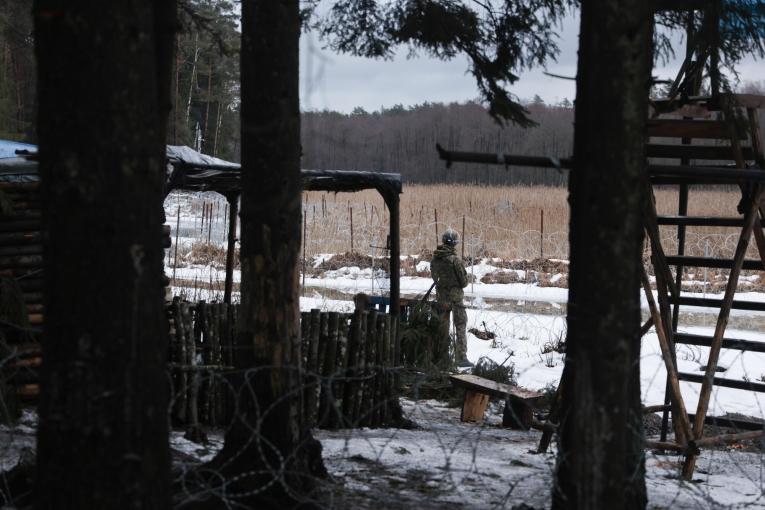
[(749, 174)]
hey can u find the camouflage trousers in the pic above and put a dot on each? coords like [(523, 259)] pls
[(459, 318)]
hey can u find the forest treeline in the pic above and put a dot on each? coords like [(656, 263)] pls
[(403, 140)]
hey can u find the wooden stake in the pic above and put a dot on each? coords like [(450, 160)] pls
[(350, 213), (435, 224), (541, 233), (177, 229), (463, 237)]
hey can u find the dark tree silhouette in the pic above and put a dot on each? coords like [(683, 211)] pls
[(601, 457), (104, 99), (269, 458)]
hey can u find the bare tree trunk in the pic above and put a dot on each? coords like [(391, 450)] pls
[(192, 81), (601, 459), (103, 431), (268, 437)]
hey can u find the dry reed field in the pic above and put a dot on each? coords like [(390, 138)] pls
[(518, 222)]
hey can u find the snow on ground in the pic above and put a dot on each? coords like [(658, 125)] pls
[(448, 464)]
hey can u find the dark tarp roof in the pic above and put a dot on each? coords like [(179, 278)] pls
[(193, 171)]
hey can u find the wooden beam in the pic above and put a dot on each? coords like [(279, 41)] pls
[(682, 128), (666, 353), (706, 152), (727, 343)]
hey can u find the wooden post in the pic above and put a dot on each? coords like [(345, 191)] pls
[(395, 278), (341, 372), (358, 387), (379, 380), (192, 414), (682, 415), (463, 237), (233, 201), (368, 387), (351, 365), (179, 356), (541, 233), (435, 225), (385, 366), (305, 242), (474, 406), (177, 229), (311, 366), (327, 397), (350, 213)]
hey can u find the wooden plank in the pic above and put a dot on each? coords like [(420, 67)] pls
[(734, 423), (723, 382), (722, 323), (474, 406), (688, 261), (492, 388), (705, 174), (730, 438), (699, 152), (755, 306), (682, 128), (701, 221), (727, 343), (742, 100)]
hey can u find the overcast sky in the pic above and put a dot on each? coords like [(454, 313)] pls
[(341, 82)]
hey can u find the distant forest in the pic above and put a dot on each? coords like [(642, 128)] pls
[(403, 140)]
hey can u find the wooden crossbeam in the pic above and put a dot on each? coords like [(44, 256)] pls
[(682, 128)]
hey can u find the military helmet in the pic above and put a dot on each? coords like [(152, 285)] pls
[(450, 238)]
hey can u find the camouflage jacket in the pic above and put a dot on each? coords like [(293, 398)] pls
[(449, 273)]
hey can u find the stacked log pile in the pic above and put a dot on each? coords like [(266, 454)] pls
[(21, 264)]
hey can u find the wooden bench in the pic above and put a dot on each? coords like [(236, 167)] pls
[(519, 402)]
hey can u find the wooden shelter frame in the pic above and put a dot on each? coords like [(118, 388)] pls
[(226, 180)]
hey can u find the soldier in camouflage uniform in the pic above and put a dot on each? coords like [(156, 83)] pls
[(450, 276)]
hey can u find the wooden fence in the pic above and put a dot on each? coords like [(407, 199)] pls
[(347, 366)]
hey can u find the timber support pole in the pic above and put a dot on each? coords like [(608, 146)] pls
[(233, 214)]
